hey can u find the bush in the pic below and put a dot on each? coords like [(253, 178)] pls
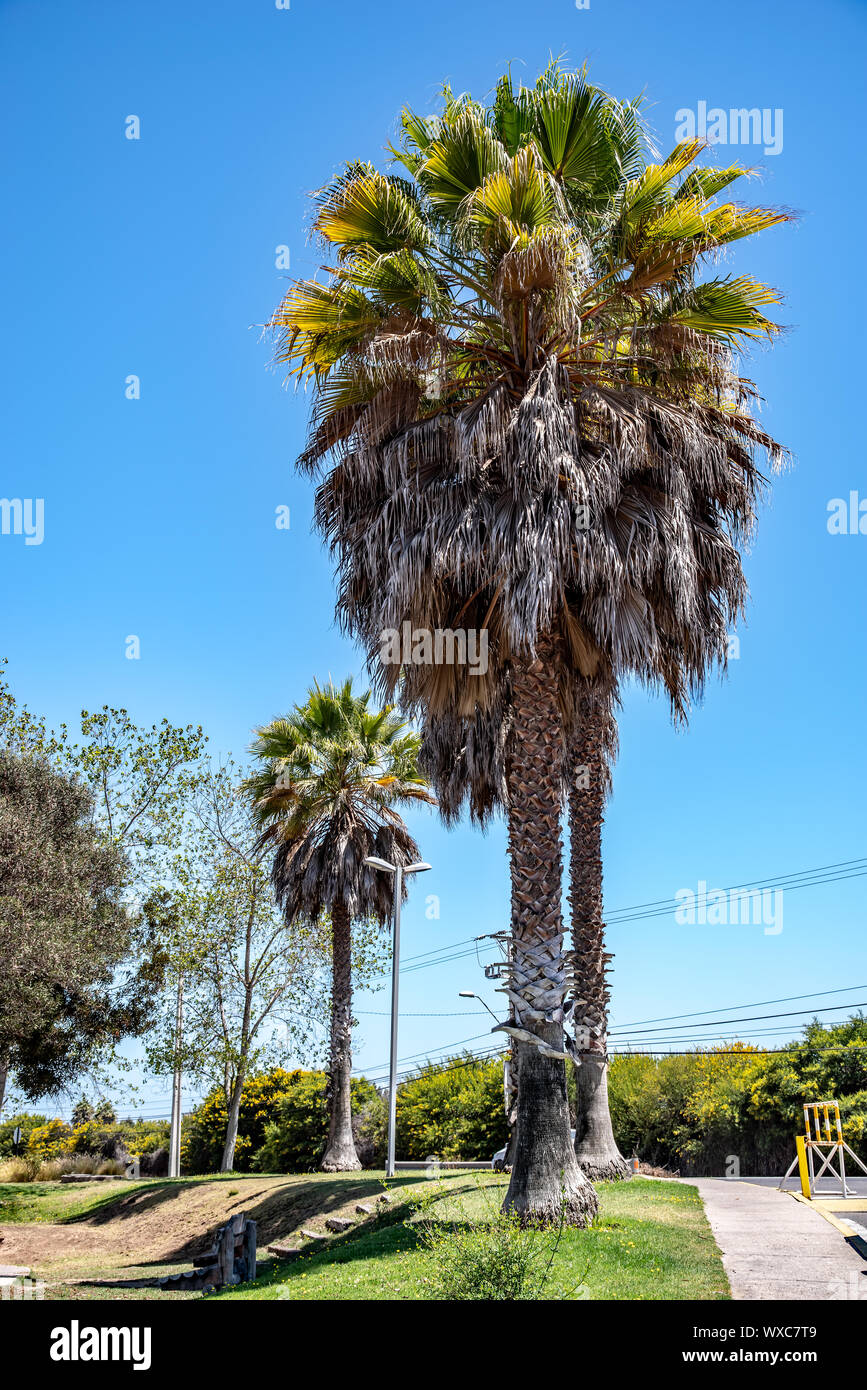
[(370, 1131), (295, 1139), (204, 1132), (494, 1259), (454, 1111), (119, 1141), (18, 1169), (697, 1111), (49, 1140), (26, 1123)]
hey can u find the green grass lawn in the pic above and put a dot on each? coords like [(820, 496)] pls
[(651, 1241), (52, 1201)]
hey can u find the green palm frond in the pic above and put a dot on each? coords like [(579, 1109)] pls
[(330, 781), (464, 154), (574, 134), (728, 309), (369, 211)]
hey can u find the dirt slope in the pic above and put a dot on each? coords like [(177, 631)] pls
[(158, 1224)]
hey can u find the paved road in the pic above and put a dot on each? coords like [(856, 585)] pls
[(827, 1186), (775, 1247)]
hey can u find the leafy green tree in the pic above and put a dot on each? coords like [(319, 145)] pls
[(83, 1113), (253, 986), (78, 974), (140, 779), (333, 773), (134, 784), (26, 1123)]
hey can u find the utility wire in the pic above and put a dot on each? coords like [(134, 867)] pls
[(756, 1004), (672, 904), (660, 907), (750, 1018)]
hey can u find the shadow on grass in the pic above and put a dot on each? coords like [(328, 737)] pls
[(388, 1235), (283, 1208)]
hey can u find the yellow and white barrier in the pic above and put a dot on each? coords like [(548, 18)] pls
[(822, 1138)]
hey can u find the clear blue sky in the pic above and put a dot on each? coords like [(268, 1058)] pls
[(156, 258)]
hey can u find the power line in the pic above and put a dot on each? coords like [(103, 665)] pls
[(753, 883), (439, 949), (671, 904), (750, 1018), (489, 1054), (756, 1004), (722, 1052), (660, 907), (384, 1013), (625, 1041), (412, 1056)]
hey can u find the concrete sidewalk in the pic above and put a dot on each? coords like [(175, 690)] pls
[(775, 1247)]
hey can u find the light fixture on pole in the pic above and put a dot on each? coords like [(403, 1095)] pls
[(507, 1065), (471, 994), (398, 871)]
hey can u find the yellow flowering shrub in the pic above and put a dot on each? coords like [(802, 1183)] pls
[(49, 1140)]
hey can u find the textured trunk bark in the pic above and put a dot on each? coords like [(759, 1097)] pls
[(228, 1159), (4, 1076), (340, 1155), (595, 1146), (511, 1105), (545, 1175)]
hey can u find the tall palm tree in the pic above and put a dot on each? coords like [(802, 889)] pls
[(332, 774), (535, 429)]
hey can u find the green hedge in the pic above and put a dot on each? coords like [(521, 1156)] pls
[(698, 1112), (282, 1126), (454, 1110), (27, 1124)]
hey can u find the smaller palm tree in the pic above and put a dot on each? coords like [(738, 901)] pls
[(332, 774)]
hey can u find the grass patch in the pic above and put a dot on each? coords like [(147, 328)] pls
[(59, 1202), (651, 1241)]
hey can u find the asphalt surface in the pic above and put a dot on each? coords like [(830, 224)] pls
[(828, 1187)]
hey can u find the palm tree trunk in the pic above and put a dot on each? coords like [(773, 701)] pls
[(545, 1175), (511, 1104), (340, 1155), (595, 1146)]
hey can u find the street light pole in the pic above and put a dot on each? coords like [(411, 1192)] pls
[(395, 988), (398, 871)]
